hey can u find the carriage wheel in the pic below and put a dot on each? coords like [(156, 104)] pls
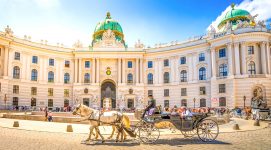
[(148, 133), (190, 133), (207, 130)]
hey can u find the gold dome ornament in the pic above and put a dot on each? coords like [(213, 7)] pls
[(108, 71)]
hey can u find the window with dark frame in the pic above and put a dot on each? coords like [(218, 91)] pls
[(66, 93), (166, 62), (51, 62), (150, 78), (184, 103), (166, 77), (201, 57), (222, 88), (166, 92), (87, 64), (222, 102), (67, 64), (250, 50), (17, 56), (150, 92), (222, 53), (50, 92), (15, 101), (15, 89), (202, 102), (33, 90), (202, 90), (130, 64), (183, 92), (50, 103), (183, 76), (150, 64), (166, 103), (34, 59), (183, 60)]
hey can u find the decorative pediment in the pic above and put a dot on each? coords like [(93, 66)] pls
[(108, 41)]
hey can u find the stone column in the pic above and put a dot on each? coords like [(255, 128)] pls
[(137, 73), (141, 70), (177, 72), (119, 70), (98, 70), (190, 67), (9, 64), (237, 58), (172, 69), (209, 64), (75, 70), (123, 70), (61, 70), (243, 58), (80, 71), (257, 58), (42, 69), (93, 68), (268, 57), (6, 61), (45, 70), (263, 57), (213, 52), (24, 67), (161, 73), (230, 59), (57, 66)]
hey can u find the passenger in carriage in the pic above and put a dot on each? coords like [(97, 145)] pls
[(186, 113), (150, 108)]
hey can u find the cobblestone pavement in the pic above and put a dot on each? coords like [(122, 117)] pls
[(14, 139)]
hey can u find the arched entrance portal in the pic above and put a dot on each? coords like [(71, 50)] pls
[(108, 90)]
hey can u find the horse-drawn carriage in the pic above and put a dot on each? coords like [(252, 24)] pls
[(198, 124)]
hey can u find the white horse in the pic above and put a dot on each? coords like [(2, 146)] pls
[(107, 118)]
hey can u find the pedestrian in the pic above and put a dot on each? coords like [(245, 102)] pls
[(50, 116), (46, 113)]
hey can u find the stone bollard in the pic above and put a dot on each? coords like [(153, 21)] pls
[(16, 124), (257, 123), (69, 128), (236, 126)]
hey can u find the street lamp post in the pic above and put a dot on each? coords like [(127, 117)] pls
[(194, 100), (5, 100), (244, 98)]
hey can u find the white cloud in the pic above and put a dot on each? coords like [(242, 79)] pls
[(260, 7)]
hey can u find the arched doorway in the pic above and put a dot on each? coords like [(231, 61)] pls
[(108, 90)]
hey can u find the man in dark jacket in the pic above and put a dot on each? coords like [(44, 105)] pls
[(151, 104)]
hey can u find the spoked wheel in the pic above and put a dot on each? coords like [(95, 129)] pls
[(148, 133), (207, 130), (189, 133)]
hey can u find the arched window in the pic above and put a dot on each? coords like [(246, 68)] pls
[(51, 76), (184, 102), (202, 73), (130, 78), (16, 72), (34, 75), (87, 78), (183, 76), (251, 68), (66, 78), (150, 78), (223, 70), (166, 77), (222, 101), (202, 102)]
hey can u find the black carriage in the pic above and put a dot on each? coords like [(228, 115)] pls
[(198, 124)]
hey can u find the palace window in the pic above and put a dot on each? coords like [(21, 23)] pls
[(17, 56), (222, 88), (150, 78), (201, 57), (202, 102), (50, 92), (223, 70), (86, 101), (51, 77), (202, 73), (15, 101), (202, 90), (166, 63), (51, 62), (184, 103), (87, 78), (50, 103), (222, 101), (166, 103), (150, 64), (34, 75), (66, 103), (33, 90), (33, 102), (130, 78), (166, 77), (15, 89), (16, 72), (87, 64), (34, 59), (166, 92), (183, 92), (150, 92), (67, 63), (183, 76), (183, 60), (130, 64), (222, 52), (250, 50), (66, 78), (251, 68), (66, 93)]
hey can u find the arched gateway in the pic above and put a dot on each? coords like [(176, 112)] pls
[(108, 90)]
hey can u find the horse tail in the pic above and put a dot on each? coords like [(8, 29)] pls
[(126, 121)]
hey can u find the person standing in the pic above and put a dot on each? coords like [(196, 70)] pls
[(46, 113), (50, 116)]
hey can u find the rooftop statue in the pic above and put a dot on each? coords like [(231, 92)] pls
[(78, 44), (8, 31)]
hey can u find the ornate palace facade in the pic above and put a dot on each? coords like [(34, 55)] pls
[(221, 69)]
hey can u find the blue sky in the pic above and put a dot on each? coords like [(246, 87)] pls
[(152, 21)]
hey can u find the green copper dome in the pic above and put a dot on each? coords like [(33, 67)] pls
[(108, 23), (233, 15)]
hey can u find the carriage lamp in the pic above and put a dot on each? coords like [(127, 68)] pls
[(194, 100), (244, 101)]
